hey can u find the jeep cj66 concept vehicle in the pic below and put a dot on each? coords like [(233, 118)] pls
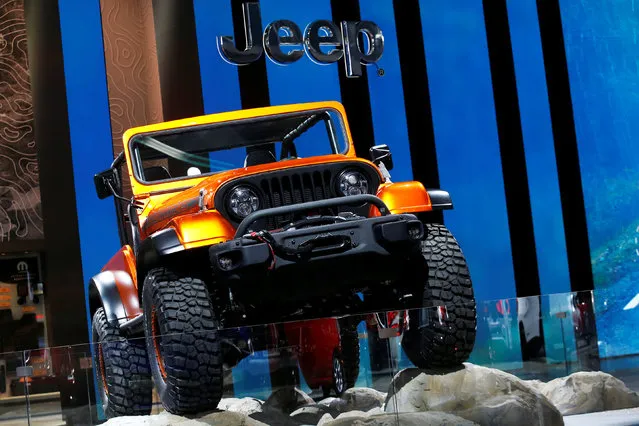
[(261, 216)]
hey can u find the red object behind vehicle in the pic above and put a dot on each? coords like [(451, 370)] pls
[(316, 341)]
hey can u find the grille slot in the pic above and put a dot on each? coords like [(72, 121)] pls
[(286, 190)]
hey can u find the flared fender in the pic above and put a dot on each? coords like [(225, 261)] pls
[(117, 294), (411, 197)]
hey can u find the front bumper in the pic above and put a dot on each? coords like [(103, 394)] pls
[(368, 248)]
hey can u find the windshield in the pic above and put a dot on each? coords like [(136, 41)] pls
[(209, 149)]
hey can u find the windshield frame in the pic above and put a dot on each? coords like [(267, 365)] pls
[(335, 133)]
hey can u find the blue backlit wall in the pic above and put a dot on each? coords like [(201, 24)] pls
[(601, 51), (467, 142), (541, 166), (386, 91), (89, 125), (220, 84)]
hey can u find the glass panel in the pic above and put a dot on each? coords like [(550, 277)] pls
[(13, 389), (280, 372), (58, 391)]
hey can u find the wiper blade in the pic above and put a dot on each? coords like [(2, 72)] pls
[(193, 159)]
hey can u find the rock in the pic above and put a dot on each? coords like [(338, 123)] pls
[(241, 405), (227, 418), (535, 384), (353, 414), (287, 400), (363, 399), (326, 418), (335, 405), (310, 414), (360, 399), (161, 419), (374, 411), (588, 392), (433, 418), (483, 395), (273, 417)]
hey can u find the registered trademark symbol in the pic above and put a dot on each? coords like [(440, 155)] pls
[(380, 72)]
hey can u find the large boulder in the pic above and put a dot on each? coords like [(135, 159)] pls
[(432, 418), (588, 392), (483, 395)]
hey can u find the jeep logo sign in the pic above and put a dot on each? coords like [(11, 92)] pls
[(320, 33)]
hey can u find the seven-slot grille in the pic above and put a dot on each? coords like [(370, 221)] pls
[(295, 188)]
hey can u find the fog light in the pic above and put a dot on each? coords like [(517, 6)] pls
[(225, 263), (415, 232)]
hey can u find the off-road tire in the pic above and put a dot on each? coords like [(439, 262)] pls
[(124, 376), (182, 341), (429, 343), (349, 353)]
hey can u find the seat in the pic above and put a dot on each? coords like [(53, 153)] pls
[(257, 157)]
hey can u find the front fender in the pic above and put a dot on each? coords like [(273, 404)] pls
[(182, 233), (203, 228), (411, 197), (116, 293)]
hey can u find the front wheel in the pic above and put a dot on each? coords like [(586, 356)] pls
[(442, 334), (182, 342)]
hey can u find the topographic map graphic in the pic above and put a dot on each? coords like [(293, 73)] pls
[(20, 209)]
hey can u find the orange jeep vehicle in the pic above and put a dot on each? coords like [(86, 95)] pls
[(263, 216)]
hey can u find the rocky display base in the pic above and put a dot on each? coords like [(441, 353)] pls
[(471, 395)]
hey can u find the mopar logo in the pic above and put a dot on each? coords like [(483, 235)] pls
[(337, 42)]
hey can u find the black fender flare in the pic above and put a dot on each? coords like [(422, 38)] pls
[(440, 199), (104, 293), (155, 247)]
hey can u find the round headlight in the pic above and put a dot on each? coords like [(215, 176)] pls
[(243, 201), (352, 182)]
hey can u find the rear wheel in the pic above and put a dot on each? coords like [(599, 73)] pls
[(182, 342), (124, 377), (443, 333)]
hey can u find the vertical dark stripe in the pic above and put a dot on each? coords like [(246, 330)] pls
[(355, 95), (253, 78), (563, 127), (419, 119), (511, 145), (62, 262), (179, 67), (178, 64)]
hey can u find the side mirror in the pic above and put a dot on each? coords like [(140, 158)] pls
[(102, 180), (382, 154)]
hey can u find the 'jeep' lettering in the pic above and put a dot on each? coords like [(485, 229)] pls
[(342, 42)]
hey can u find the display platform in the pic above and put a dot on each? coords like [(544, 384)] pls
[(535, 360)]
